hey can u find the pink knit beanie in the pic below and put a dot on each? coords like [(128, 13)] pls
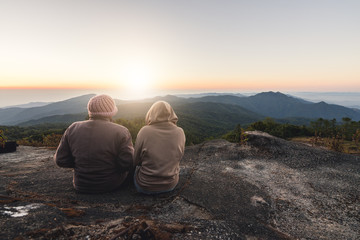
[(101, 106)]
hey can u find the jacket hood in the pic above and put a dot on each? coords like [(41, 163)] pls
[(160, 111)]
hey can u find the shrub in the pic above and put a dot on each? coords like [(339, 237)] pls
[(238, 135), (51, 140), (2, 139), (356, 137), (335, 143)]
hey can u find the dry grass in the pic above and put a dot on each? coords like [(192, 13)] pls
[(349, 147)]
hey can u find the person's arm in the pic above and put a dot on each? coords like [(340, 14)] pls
[(139, 151), (182, 142), (126, 153), (63, 157)]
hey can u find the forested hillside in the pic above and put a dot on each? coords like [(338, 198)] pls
[(201, 118)]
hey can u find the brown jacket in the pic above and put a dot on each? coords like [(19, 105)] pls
[(159, 148), (100, 152)]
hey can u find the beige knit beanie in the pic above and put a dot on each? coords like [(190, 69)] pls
[(101, 106)]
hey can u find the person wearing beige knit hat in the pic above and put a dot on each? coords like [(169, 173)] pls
[(100, 151)]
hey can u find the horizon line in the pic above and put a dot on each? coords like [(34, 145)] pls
[(198, 90)]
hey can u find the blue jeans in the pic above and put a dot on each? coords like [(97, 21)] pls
[(140, 190)]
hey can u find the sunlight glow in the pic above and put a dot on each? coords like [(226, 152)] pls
[(137, 80)]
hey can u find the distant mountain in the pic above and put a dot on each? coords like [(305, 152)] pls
[(279, 105), (226, 99), (346, 99), (204, 119), (198, 95), (217, 111), (8, 115), (15, 116), (28, 105), (66, 119), (300, 99)]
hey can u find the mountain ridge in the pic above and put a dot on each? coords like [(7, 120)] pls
[(28, 105), (267, 104), (69, 106), (279, 105)]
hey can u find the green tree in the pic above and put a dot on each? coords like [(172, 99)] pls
[(347, 128), (237, 135)]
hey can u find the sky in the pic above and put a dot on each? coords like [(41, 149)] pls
[(138, 47)]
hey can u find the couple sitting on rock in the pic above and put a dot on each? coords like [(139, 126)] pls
[(102, 154)]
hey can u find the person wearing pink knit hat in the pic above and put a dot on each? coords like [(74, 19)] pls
[(101, 106), (100, 151)]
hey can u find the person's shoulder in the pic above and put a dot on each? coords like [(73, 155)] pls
[(74, 127), (179, 129), (77, 123), (118, 130), (181, 132), (118, 127), (146, 128), (80, 122)]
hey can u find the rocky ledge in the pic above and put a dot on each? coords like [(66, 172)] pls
[(267, 189)]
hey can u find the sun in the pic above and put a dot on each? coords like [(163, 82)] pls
[(138, 80)]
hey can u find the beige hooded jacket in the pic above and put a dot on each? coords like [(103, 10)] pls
[(159, 148)]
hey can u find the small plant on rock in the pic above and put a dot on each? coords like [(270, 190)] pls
[(316, 140), (356, 137), (336, 143)]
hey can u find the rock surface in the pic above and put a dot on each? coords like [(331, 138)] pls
[(267, 189)]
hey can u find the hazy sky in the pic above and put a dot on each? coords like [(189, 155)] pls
[(281, 45)]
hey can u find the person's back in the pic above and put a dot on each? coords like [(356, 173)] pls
[(158, 150), (100, 152)]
